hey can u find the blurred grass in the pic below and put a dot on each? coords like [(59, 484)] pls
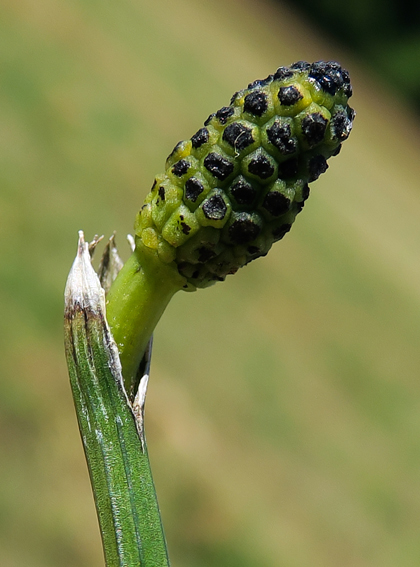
[(283, 414)]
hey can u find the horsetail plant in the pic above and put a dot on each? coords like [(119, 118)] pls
[(226, 196)]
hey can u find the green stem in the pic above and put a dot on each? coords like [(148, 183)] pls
[(111, 428), (135, 303)]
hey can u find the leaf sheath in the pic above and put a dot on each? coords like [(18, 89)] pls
[(112, 435)]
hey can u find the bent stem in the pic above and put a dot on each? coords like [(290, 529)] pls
[(135, 303), (111, 427)]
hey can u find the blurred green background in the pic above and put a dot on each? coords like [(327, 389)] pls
[(283, 415)]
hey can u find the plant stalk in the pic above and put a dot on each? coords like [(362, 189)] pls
[(135, 302), (111, 427)]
